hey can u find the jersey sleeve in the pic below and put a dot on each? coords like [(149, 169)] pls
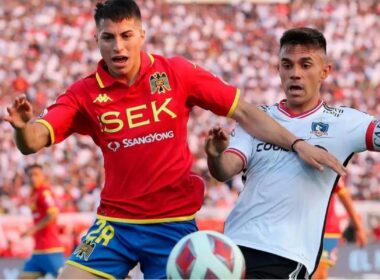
[(373, 136), (362, 131), (63, 118), (241, 145), (204, 89)]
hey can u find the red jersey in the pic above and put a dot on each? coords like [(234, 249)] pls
[(142, 132), (332, 221), (46, 239)]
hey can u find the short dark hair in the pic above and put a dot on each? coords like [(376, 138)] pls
[(303, 36), (117, 10), (31, 166)]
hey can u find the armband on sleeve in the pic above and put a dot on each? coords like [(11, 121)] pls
[(373, 136)]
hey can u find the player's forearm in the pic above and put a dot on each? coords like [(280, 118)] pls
[(31, 138), (224, 166), (261, 126), (217, 169)]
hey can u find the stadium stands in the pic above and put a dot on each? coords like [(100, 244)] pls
[(45, 45)]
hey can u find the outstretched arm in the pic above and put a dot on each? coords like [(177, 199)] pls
[(360, 233), (30, 136), (263, 127), (222, 165)]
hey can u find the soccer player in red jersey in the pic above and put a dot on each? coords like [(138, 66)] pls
[(135, 106), (48, 255), (333, 232)]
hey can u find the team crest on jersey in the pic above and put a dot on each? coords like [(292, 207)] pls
[(85, 249), (319, 128), (102, 98), (159, 83)]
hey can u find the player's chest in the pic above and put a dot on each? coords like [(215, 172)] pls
[(326, 133), (132, 110)]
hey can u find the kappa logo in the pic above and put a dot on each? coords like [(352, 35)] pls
[(102, 98), (319, 128), (85, 249), (159, 83)]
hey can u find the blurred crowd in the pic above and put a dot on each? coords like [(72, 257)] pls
[(46, 45)]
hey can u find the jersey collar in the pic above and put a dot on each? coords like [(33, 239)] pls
[(104, 78), (285, 110)]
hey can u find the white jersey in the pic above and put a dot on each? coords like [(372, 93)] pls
[(283, 205)]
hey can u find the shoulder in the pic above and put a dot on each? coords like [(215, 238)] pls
[(159, 60), (269, 109), (76, 92), (176, 63), (83, 84), (264, 108), (182, 63), (238, 132), (344, 112)]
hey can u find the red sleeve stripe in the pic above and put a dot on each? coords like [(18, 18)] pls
[(369, 136), (239, 154)]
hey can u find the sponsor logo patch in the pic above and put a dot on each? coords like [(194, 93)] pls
[(142, 140)]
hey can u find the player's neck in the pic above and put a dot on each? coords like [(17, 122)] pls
[(299, 109), (131, 80)]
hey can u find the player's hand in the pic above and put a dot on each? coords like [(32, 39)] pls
[(361, 237), (217, 141), (20, 112), (318, 158)]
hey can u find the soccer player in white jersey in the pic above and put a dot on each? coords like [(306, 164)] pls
[(279, 217)]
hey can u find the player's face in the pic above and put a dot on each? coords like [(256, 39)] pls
[(302, 70), (36, 177), (120, 45)]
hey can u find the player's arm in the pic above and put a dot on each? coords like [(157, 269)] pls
[(346, 199), (222, 165), (30, 136), (50, 217), (373, 139), (263, 127)]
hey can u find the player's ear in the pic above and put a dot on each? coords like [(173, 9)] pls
[(142, 34), (326, 71)]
